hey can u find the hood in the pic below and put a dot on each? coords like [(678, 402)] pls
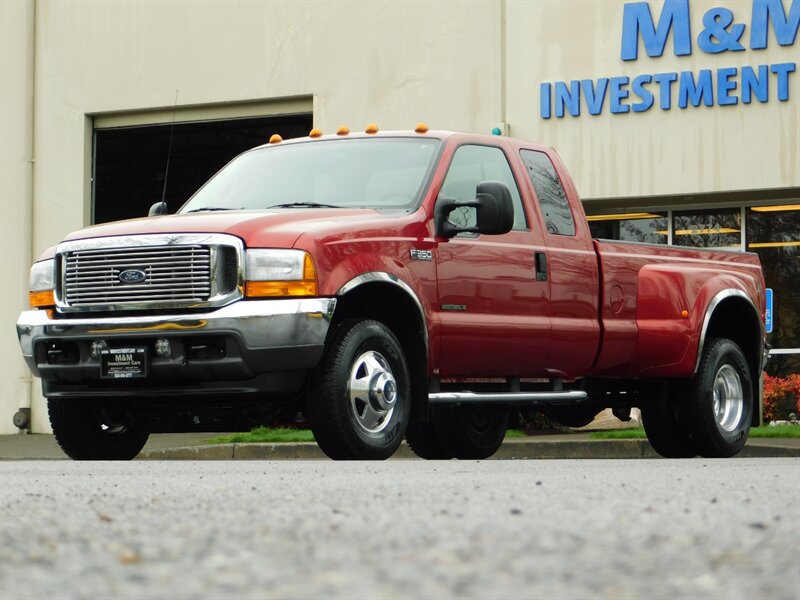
[(278, 228)]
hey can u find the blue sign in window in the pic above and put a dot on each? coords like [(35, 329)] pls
[(768, 313)]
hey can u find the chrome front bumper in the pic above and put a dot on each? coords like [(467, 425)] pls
[(259, 325)]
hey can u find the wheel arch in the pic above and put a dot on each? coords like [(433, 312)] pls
[(731, 314), (387, 298)]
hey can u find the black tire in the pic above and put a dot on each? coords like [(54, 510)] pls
[(424, 442), (93, 429), (471, 432), (665, 432), (370, 425), (718, 402)]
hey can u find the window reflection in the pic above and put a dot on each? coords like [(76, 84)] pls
[(708, 228), (649, 228), (549, 192), (775, 236)]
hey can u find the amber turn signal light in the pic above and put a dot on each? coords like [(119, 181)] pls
[(261, 289), (42, 299)]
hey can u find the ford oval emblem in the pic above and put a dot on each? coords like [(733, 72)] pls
[(132, 276)]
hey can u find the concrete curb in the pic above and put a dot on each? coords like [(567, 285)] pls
[(193, 446), (519, 450)]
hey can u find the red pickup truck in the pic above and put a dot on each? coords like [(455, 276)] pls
[(423, 285)]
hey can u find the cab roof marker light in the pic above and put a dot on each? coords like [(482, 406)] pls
[(343, 130), (421, 128), (315, 133), (371, 128), (275, 139)]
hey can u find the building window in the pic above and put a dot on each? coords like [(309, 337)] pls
[(774, 233), (550, 193), (645, 227), (130, 163), (718, 228)]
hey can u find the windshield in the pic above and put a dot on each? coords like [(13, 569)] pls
[(381, 173)]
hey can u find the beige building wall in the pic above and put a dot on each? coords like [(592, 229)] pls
[(395, 63), (456, 65), (16, 168)]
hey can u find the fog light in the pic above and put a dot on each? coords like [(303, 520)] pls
[(96, 347), (163, 348)]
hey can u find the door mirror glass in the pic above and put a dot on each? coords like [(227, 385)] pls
[(491, 212)]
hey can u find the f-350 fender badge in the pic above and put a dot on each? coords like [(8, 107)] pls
[(421, 254)]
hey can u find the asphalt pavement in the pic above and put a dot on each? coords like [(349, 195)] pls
[(483, 530), (195, 446)]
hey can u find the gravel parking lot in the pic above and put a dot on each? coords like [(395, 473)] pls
[(401, 529)]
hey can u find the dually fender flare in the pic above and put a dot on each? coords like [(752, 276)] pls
[(712, 306), (384, 277)]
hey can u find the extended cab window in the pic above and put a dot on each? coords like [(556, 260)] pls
[(470, 166), (550, 193)]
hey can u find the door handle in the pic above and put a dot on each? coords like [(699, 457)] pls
[(540, 261)]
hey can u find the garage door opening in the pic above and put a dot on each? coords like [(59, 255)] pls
[(130, 163)]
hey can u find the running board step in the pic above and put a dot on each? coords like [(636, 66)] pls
[(511, 398)]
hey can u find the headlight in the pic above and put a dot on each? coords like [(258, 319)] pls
[(41, 284), (279, 273)]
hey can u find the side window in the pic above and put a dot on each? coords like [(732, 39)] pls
[(472, 165), (552, 198)]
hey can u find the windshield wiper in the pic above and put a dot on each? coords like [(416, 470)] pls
[(303, 205), (211, 208)]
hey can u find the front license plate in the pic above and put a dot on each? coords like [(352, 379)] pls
[(123, 363)]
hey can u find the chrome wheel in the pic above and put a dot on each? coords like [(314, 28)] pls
[(372, 390), (359, 400), (728, 398)]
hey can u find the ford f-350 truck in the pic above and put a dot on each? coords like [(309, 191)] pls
[(421, 285)]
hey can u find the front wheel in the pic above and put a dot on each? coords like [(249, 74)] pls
[(93, 429), (718, 402), (359, 400)]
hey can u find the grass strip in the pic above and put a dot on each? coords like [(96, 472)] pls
[(766, 431), (266, 435), (278, 435)]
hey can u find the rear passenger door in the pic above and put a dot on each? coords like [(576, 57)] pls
[(493, 311), (571, 269)]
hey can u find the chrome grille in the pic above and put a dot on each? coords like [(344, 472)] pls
[(172, 274)]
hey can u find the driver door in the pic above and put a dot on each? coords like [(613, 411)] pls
[(494, 313)]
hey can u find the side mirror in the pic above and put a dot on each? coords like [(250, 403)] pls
[(159, 208), (494, 211)]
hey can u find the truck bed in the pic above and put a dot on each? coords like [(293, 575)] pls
[(653, 303)]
